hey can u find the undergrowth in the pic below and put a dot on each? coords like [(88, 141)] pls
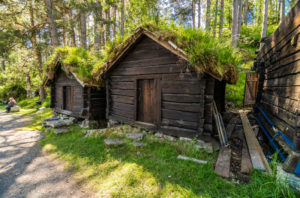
[(150, 171)]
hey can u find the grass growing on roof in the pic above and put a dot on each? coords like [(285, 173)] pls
[(203, 51), (150, 171), (77, 60)]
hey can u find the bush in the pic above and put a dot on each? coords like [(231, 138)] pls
[(13, 89)]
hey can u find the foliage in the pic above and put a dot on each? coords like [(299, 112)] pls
[(76, 60), (13, 89), (150, 171)]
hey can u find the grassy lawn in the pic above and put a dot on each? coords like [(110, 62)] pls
[(150, 171)]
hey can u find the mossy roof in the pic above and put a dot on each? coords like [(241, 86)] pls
[(77, 61), (204, 53)]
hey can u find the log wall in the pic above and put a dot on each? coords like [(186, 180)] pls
[(280, 63), (182, 93)]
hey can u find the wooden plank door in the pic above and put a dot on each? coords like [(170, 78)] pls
[(251, 87), (146, 101), (68, 98)]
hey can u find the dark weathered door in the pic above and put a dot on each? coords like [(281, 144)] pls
[(146, 101), (251, 86), (68, 98)]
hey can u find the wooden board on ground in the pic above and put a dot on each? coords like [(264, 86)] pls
[(246, 164), (258, 158), (223, 162)]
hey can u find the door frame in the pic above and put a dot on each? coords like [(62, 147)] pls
[(157, 86)]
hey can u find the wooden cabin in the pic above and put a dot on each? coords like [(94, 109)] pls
[(278, 63), (70, 96), (151, 84)]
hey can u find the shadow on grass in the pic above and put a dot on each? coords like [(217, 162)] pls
[(152, 171)]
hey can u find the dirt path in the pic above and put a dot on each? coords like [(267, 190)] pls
[(24, 170)]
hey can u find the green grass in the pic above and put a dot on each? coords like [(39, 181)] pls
[(235, 93), (150, 171), (2, 107)]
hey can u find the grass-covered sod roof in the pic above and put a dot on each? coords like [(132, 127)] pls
[(204, 53), (76, 60)]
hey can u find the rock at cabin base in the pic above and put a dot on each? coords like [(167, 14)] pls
[(112, 123), (59, 123), (206, 146), (15, 109), (89, 124), (114, 142), (288, 179), (170, 138), (135, 136), (93, 132), (159, 135), (138, 144), (60, 130), (185, 139)]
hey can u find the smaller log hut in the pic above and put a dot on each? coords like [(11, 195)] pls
[(73, 97), (278, 63), (150, 83)]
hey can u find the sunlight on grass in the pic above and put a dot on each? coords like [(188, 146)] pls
[(150, 171)]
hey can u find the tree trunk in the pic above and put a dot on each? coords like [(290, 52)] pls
[(115, 21), (107, 13), (234, 23), (3, 65), (245, 12), (240, 14), (199, 14), (97, 34), (207, 21), (38, 53), (282, 10), (194, 13), (83, 43), (28, 84), (72, 32), (122, 17), (216, 18), (221, 19), (64, 36), (52, 24), (265, 22)]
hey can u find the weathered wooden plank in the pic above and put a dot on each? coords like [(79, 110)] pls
[(183, 98), (149, 62), (290, 80), (179, 132), (285, 92), (180, 123), (288, 104), (188, 107), (188, 75), (257, 156), (123, 106), (180, 115), (121, 112), (157, 69), (122, 85), (182, 87), (123, 92), (222, 167), (246, 164), (122, 99), (287, 116)]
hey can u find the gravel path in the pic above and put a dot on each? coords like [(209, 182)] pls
[(24, 170)]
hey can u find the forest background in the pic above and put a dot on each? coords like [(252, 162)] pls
[(30, 30)]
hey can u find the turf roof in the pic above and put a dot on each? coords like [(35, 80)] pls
[(204, 53)]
